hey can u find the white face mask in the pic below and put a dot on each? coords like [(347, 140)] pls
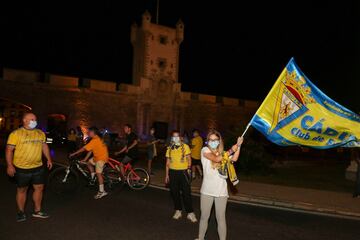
[(32, 124), (176, 140), (214, 144)]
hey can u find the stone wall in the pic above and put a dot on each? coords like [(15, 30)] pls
[(104, 104)]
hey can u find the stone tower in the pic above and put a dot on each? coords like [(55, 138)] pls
[(156, 50), (155, 71)]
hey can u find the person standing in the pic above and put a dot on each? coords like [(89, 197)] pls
[(71, 140), (24, 150), (151, 149), (178, 166), (196, 145), (356, 157), (214, 187)]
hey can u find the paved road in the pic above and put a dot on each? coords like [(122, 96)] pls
[(147, 214)]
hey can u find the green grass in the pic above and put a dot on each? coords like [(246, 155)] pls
[(329, 177)]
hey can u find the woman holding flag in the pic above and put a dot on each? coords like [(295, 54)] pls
[(217, 166)]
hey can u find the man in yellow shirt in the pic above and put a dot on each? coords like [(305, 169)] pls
[(196, 146), (178, 165), (24, 150), (98, 148)]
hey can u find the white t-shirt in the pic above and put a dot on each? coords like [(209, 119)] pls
[(213, 184)]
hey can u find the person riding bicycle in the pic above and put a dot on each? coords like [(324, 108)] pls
[(130, 149), (97, 147)]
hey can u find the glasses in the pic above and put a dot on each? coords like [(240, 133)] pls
[(213, 140)]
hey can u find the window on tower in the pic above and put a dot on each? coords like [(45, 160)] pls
[(163, 39), (161, 63)]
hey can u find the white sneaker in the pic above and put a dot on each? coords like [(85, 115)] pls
[(177, 215), (100, 195), (192, 217)]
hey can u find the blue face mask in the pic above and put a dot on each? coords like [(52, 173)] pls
[(32, 124), (214, 144)]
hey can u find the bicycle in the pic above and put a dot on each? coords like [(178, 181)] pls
[(136, 178), (66, 179)]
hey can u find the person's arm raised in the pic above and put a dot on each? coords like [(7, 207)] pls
[(212, 157), (236, 155)]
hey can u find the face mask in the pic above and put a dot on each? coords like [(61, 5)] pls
[(214, 144), (176, 140), (32, 124)]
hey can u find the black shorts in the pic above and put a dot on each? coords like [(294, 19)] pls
[(195, 162), (26, 177), (126, 159)]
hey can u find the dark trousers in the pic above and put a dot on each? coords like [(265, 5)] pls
[(357, 189), (180, 188)]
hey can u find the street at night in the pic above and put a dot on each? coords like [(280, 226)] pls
[(200, 120), (147, 214)]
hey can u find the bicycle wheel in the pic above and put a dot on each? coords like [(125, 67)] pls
[(138, 179), (60, 182), (112, 179)]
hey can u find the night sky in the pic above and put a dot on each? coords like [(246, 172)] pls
[(226, 44)]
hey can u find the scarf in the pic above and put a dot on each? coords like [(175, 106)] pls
[(227, 169)]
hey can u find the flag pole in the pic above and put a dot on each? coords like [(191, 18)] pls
[(247, 128)]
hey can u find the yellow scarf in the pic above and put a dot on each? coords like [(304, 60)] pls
[(227, 167)]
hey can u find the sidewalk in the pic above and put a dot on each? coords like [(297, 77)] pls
[(290, 198)]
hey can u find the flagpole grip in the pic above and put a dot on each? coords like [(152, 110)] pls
[(247, 128)]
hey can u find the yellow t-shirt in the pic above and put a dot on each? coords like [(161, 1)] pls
[(178, 160), (196, 146), (99, 149), (71, 137), (28, 147)]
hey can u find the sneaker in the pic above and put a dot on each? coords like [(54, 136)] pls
[(100, 195), (177, 215), (192, 217), (20, 217), (92, 182), (40, 214)]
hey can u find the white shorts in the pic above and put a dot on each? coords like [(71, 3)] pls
[(99, 165)]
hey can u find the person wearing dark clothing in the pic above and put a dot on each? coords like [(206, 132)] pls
[(356, 157), (151, 149), (178, 165), (72, 141), (130, 149)]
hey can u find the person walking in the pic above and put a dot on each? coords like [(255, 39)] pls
[(24, 150), (178, 166), (196, 146), (214, 187)]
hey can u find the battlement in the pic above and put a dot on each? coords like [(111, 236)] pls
[(70, 82)]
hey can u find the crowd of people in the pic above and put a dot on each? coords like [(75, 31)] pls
[(184, 158)]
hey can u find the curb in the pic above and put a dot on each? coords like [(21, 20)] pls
[(257, 201), (306, 208)]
